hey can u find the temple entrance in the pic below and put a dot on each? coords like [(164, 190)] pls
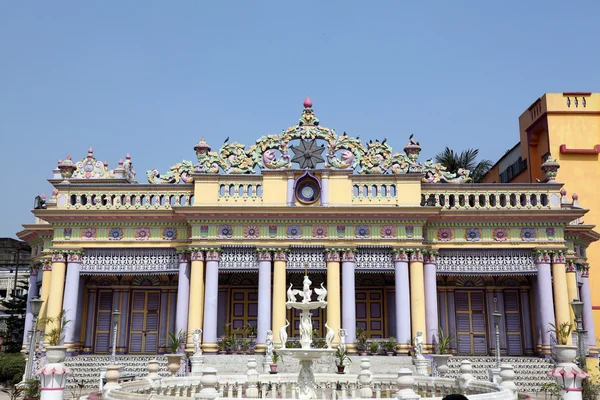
[(471, 322), (369, 312), (244, 308), (143, 336)]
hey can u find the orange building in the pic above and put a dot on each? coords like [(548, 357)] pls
[(565, 127)]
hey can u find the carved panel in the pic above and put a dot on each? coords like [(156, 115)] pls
[(486, 261), (236, 258), (379, 259), (127, 261), (314, 258)]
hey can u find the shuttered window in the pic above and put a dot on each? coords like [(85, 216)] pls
[(145, 321), (103, 321), (470, 322), (512, 317)]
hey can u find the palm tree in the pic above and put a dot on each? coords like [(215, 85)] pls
[(465, 160)]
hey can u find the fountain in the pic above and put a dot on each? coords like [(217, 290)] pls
[(306, 355)]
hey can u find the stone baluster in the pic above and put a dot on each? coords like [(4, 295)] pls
[(230, 390), (263, 389), (466, 375), (209, 382), (365, 378), (507, 374), (274, 386), (344, 387), (240, 390), (113, 373), (404, 383), (252, 375)]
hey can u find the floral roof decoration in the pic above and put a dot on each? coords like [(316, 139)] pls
[(91, 168), (307, 145)]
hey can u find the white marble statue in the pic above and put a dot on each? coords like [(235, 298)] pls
[(418, 343), (342, 333), (329, 336), (196, 339), (283, 334), (321, 293), (306, 329), (306, 291), (269, 344)]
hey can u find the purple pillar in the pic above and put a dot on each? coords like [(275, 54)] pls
[(89, 323), (325, 189), (123, 322), (586, 297), (290, 190), (349, 295), (431, 311), (403, 328), (183, 294), (546, 299), (79, 321), (211, 296), (70, 296), (264, 295), (32, 291), (527, 326)]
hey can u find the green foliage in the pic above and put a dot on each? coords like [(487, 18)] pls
[(275, 358), (12, 367), (56, 335), (31, 388), (467, 159), (444, 342), (361, 339), (562, 332), (374, 347), (553, 389), (175, 340), (341, 356), (389, 345), (590, 390), (15, 307)]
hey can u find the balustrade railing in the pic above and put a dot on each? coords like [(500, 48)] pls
[(162, 197), (245, 191), (490, 196)]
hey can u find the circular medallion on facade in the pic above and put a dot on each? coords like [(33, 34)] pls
[(307, 191)]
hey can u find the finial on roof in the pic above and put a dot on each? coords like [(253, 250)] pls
[(575, 196), (128, 156), (307, 102), (106, 163), (91, 150), (69, 157), (120, 162)]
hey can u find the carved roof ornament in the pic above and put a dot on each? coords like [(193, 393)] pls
[(308, 154), (550, 168), (307, 140), (91, 168)]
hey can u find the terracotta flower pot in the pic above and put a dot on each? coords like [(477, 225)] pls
[(341, 369)]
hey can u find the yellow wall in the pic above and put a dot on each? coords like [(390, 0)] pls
[(577, 128)]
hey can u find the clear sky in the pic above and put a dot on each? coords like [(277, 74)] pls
[(152, 77)]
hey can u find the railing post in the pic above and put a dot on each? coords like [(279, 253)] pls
[(209, 382), (466, 376), (405, 382), (252, 375), (507, 374), (365, 378)]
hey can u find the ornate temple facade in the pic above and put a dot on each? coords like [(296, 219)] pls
[(401, 246)]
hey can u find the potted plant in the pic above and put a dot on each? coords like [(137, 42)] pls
[(442, 352), (564, 353), (31, 389), (273, 365), (341, 358), (389, 346), (361, 341), (174, 357), (56, 352), (373, 348)]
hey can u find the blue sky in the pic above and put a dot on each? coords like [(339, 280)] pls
[(152, 77)]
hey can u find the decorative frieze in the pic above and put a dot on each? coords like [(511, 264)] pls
[(98, 261), (480, 261), (374, 258), (313, 257), (234, 258)]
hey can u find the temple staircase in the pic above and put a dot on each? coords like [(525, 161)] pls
[(530, 372)]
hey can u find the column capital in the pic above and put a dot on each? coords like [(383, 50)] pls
[(183, 256), (349, 255), (416, 255), (213, 254), (264, 254), (543, 256), (332, 255), (400, 255), (558, 257), (585, 270), (75, 257), (58, 256), (280, 254), (196, 253), (430, 256), (46, 265), (34, 269), (571, 266)]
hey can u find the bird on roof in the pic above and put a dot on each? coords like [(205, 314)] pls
[(226, 140)]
